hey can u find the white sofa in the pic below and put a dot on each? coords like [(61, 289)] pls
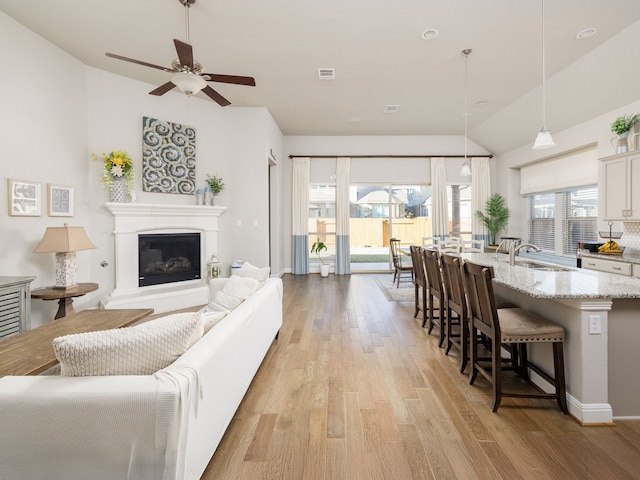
[(161, 426)]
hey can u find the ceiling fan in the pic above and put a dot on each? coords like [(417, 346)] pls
[(188, 75)]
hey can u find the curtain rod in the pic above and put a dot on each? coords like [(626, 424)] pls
[(390, 156)]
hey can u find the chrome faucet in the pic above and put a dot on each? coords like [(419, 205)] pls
[(499, 247), (513, 251)]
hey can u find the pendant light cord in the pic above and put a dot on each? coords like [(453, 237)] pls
[(186, 21), (544, 76)]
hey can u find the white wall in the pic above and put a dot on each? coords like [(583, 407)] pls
[(51, 126)]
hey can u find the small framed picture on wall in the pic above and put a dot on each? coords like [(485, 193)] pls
[(24, 198), (60, 201)]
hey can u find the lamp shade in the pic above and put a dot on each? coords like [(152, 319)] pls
[(544, 139), (465, 171), (63, 240), (188, 83)]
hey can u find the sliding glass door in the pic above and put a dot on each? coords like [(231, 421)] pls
[(381, 212)]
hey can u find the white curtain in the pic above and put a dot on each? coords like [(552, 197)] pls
[(300, 216), (440, 213), (343, 252), (480, 193)]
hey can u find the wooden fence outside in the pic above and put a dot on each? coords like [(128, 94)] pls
[(374, 232)]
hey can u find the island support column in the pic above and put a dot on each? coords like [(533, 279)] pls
[(585, 351)]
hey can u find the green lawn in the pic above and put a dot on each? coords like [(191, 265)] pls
[(369, 258)]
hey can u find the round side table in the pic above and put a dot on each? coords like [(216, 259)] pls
[(64, 296)]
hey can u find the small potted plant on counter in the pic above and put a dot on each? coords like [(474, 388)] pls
[(318, 247)]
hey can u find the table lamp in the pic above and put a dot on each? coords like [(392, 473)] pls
[(64, 242)]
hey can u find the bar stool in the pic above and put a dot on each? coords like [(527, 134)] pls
[(435, 293), (511, 326), (419, 279), (455, 303)]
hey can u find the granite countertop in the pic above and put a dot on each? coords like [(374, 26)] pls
[(626, 257), (569, 283)]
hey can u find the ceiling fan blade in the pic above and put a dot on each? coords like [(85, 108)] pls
[(162, 89), (185, 53), (236, 79), (215, 96), (139, 62)]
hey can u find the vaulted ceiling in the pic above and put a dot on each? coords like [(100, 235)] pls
[(379, 56)]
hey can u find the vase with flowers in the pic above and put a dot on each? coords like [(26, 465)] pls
[(117, 174), (621, 127)]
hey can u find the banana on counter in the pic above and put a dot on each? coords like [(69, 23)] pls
[(610, 247)]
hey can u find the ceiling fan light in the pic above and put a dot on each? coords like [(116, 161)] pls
[(188, 83), (544, 140)]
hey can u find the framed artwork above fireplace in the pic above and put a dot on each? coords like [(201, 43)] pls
[(168, 157)]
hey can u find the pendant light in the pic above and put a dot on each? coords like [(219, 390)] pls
[(544, 139), (465, 171)]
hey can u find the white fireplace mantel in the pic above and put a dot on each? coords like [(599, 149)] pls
[(132, 219)]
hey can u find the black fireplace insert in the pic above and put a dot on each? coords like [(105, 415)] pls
[(168, 258)]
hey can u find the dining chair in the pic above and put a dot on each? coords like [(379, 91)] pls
[(515, 327), (450, 244), (430, 242), (473, 246), (435, 293), (399, 267), (419, 280)]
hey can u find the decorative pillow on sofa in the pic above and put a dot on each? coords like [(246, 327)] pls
[(211, 319), (236, 290), (222, 301), (251, 271), (139, 350), (241, 287), (197, 332)]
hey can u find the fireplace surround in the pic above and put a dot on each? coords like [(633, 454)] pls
[(134, 219)]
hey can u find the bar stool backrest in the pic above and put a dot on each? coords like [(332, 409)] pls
[(478, 282)]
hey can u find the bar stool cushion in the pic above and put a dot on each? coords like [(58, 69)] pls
[(523, 326)]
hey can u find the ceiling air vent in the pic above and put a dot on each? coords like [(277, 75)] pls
[(326, 74), (391, 108)]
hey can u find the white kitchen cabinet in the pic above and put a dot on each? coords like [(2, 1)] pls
[(608, 266), (619, 176)]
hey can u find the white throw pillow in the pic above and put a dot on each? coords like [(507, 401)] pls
[(222, 301), (211, 319), (198, 330), (139, 350), (248, 270), (241, 287)]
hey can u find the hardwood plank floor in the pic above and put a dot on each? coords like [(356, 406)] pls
[(355, 389)]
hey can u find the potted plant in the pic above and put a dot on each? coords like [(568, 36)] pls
[(621, 127), (117, 174), (216, 185), (318, 247), (496, 215)]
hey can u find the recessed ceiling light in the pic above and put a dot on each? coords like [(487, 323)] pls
[(429, 34), (354, 119), (391, 108), (481, 103), (586, 33)]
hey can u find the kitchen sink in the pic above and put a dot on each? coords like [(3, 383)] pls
[(542, 266)]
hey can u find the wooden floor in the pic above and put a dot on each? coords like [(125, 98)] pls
[(354, 388)]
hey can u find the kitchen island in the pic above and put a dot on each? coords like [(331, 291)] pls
[(600, 313)]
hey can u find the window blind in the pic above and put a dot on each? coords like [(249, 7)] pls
[(560, 173)]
